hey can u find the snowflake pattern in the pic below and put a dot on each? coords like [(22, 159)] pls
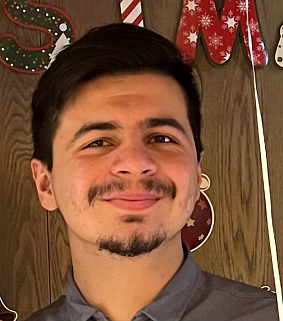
[(190, 38), (183, 22), (215, 41), (261, 45), (192, 6), (241, 6), (206, 20), (231, 22), (256, 56), (253, 26), (219, 32), (212, 5), (226, 54)]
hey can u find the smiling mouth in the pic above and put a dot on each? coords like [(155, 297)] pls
[(133, 205)]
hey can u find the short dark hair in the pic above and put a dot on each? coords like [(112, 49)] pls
[(108, 50)]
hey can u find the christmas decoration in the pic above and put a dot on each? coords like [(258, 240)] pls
[(279, 50), (60, 43), (131, 11), (219, 34), (199, 227), (7, 314), (45, 18)]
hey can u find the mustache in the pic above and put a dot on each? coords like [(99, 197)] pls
[(162, 188)]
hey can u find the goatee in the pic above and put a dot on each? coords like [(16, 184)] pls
[(134, 246)]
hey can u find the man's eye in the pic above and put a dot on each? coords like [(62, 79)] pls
[(162, 139), (98, 143)]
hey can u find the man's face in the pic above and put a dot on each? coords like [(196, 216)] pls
[(125, 173)]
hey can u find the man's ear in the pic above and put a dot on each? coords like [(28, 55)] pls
[(199, 175), (42, 178)]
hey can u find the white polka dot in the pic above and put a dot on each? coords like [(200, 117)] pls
[(63, 27)]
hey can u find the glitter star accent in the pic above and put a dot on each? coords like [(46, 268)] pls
[(191, 222), (202, 204), (208, 222), (201, 237)]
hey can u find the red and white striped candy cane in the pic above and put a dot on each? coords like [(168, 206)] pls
[(132, 12)]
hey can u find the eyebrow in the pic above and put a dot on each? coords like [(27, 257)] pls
[(95, 126), (147, 123), (165, 121)]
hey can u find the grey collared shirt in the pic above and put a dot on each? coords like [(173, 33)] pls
[(191, 295)]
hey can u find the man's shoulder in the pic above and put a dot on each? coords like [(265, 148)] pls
[(224, 299), (234, 288), (53, 312)]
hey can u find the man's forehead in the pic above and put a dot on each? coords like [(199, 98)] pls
[(124, 85), (130, 99)]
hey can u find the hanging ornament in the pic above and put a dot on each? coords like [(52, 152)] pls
[(279, 50), (219, 34), (40, 17), (7, 314), (131, 11), (199, 227)]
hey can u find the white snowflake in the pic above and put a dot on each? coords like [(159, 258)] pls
[(215, 41), (246, 41), (261, 45), (253, 26), (226, 55), (242, 7), (230, 21), (212, 5), (256, 57), (183, 22), (190, 38), (191, 6), (206, 21)]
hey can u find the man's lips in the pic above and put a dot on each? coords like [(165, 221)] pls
[(133, 202)]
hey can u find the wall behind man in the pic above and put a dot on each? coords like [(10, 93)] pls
[(34, 246)]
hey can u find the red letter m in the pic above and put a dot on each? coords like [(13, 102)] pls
[(219, 34)]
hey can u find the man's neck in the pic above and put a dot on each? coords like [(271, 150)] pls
[(120, 286)]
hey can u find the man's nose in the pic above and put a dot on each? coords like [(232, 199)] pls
[(134, 162)]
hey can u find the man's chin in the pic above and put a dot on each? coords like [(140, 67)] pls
[(134, 246)]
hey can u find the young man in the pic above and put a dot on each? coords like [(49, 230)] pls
[(116, 129)]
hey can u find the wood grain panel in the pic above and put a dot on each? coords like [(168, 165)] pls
[(239, 246), (24, 271)]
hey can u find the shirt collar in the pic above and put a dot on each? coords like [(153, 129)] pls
[(179, 293), (169, 304)]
